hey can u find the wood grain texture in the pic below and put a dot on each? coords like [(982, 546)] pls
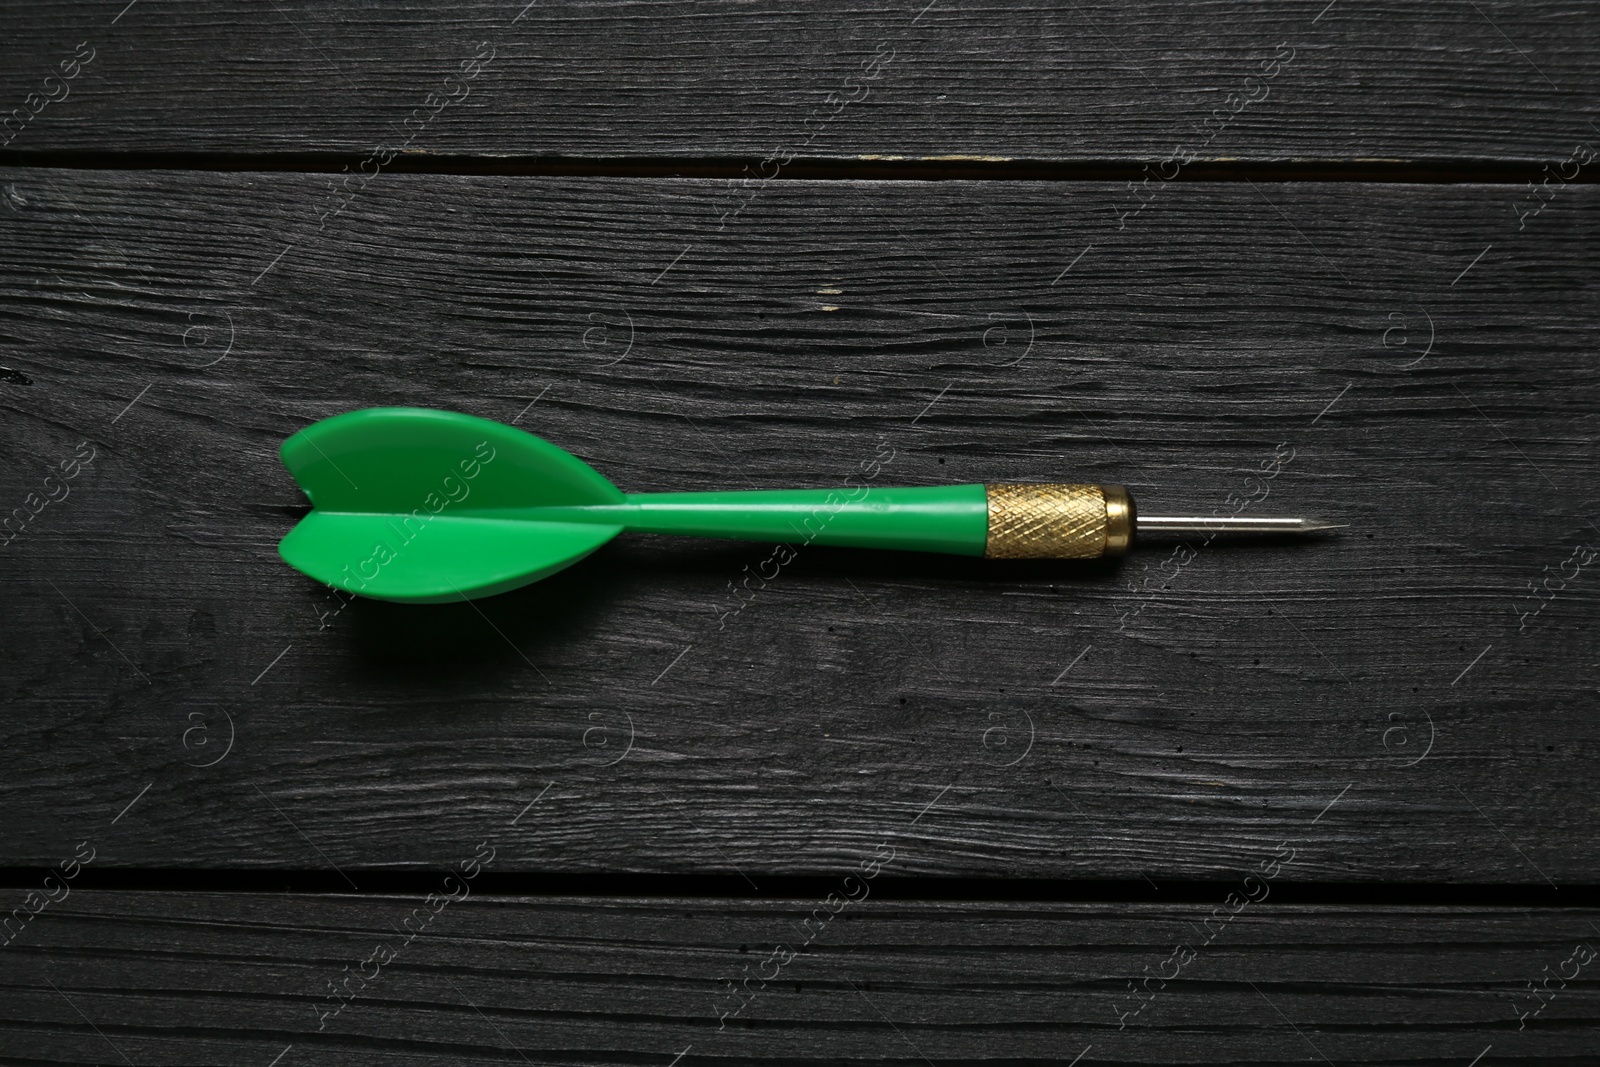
[(1390, 701), (201, 978), (691, 79)]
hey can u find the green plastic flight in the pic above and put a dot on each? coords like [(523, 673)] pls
[(423, 506)]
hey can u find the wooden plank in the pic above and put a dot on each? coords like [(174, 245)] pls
[(690, 79), (190, 978), (1392, 703)]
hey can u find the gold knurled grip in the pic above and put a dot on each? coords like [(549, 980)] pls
[(1058, 521)]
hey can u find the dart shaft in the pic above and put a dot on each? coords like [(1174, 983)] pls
[(951, 519)]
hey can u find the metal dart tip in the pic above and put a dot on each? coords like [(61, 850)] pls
[(1185, 525)]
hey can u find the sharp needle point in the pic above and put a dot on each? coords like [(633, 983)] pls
[(1236, 524)]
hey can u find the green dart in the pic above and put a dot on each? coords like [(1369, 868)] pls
[(423, 506)]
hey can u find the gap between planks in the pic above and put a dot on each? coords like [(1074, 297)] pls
[(843, 168)]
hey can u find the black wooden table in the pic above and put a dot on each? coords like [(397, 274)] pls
[(1288, 803)]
